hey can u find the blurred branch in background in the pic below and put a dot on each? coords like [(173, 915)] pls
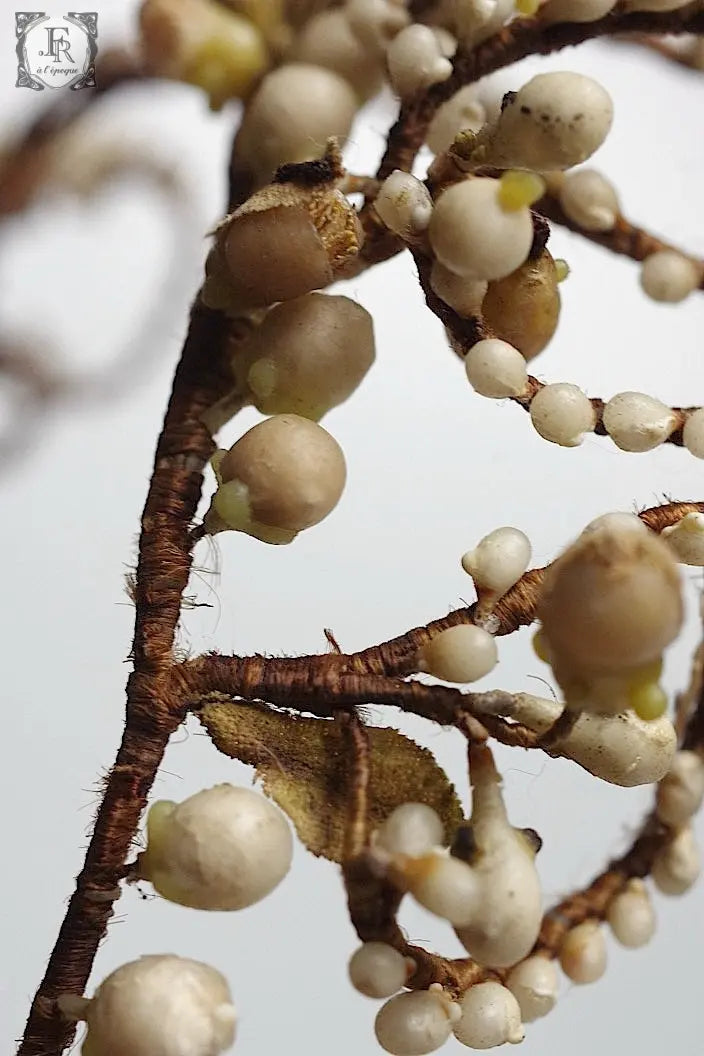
[(56, 155)]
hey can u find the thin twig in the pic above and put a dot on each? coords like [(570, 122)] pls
[(625, 238)]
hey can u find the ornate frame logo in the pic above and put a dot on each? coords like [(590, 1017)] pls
[(56, 51)]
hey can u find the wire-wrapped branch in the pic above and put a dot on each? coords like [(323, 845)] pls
[(516, 41), (625, 238)]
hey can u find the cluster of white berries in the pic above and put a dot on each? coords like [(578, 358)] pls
[(563, 414), (491, 896), (591, 202), (488, 887), (679, 796), (222, 849)]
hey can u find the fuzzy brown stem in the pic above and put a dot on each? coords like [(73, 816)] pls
[(592, 902), (152, 712), (323, 680), (625, 238)]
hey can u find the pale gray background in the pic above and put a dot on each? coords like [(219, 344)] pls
[(432, 467)]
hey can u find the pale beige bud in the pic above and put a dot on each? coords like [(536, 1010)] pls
[(161, 1005), (630, 915), (284, 475), (221, 849), (201, 43), (535, 985), (611, 603), (293, 113), (677, 866), (490, 1016), (583, 953), (524, 307), (681, 791), (309, 355), (555, 121), (285, 241), (328, 40)]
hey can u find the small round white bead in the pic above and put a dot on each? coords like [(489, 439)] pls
[(638, 422), (535, 984), (376, 22), (498, 560), (412, 829), (224, 848), (413, 1024), (590, 200), (555, 121), (416, 61), (464, 653), (562, 414), (161, 1004), (472, 234), (677, 865), (630, 915), (476, 20), (496, 369), (693, 433), (669, 277), (490, 1016), (463, 111), (377, 970), (404, 204), (583, 953), (686, 539), (680, 793)]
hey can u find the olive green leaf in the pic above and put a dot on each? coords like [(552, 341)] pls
[(304, 766)]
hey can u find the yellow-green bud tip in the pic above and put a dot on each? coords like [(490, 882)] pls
[(518, 189), (540, 647), (562, 269), (649, 701), (527, 8)]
